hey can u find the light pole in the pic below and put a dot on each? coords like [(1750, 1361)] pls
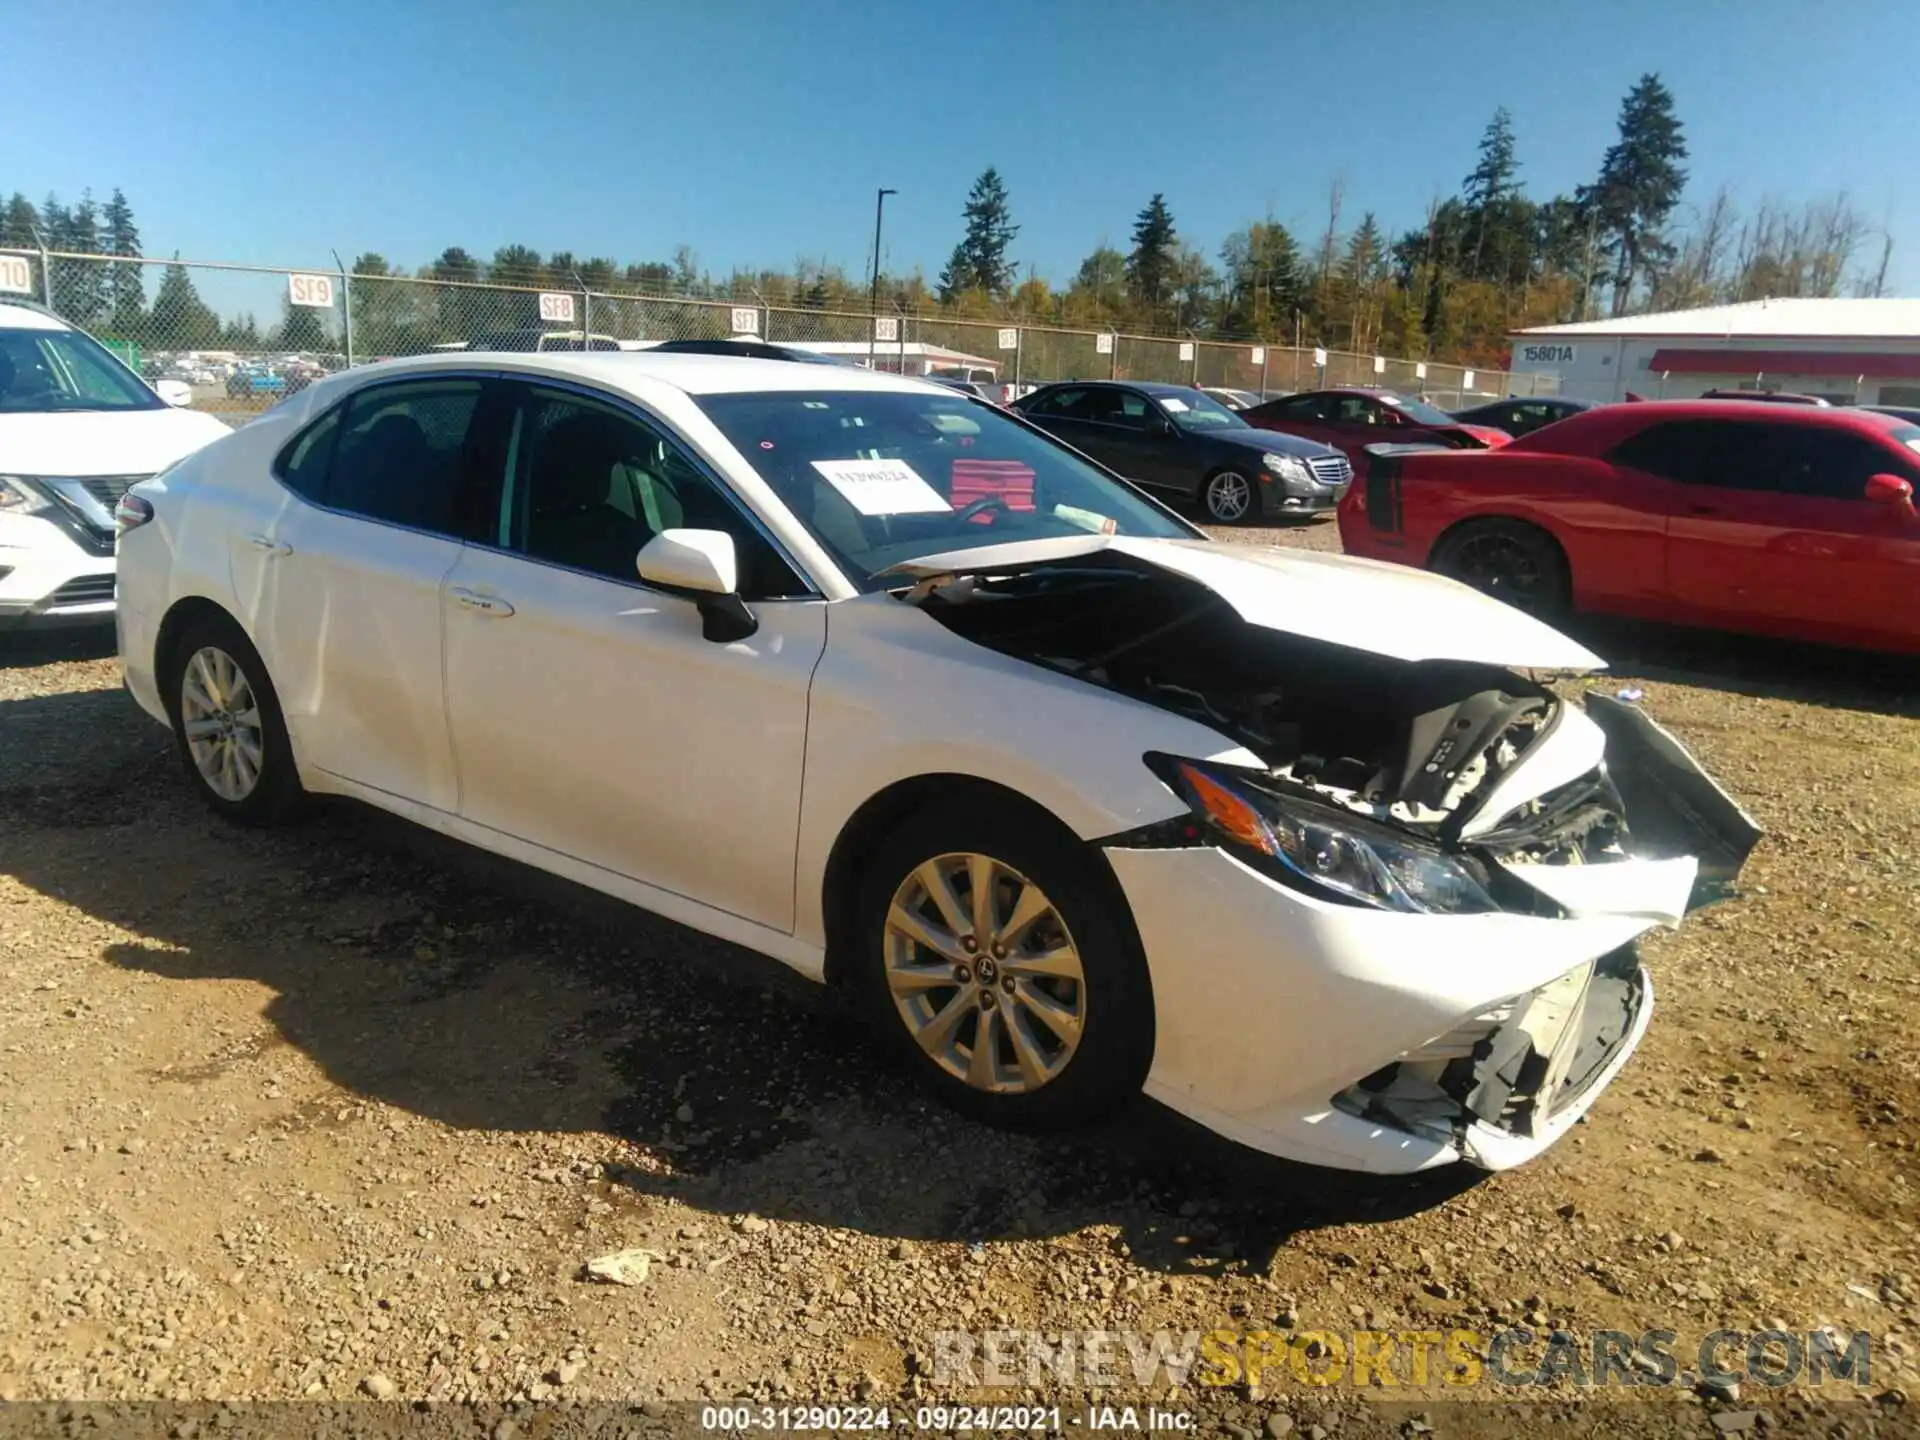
[(873, 299)]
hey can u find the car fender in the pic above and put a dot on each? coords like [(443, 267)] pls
[(897, 697)]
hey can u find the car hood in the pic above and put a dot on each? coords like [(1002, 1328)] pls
[(1363, 604), (95, 442), (1277, 441), (1487, 435)]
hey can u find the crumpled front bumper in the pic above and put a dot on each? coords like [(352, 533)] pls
[(1269, 1003)]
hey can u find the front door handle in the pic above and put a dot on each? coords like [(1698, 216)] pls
[(486, 604), (270, 545)]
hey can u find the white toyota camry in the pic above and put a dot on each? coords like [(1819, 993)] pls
[(880, 681)]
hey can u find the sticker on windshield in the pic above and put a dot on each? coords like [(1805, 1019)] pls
[(882, 487), (1173, 403)]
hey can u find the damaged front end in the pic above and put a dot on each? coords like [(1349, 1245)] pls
[(1468, 758), (1513, 1076), (1447, 785)]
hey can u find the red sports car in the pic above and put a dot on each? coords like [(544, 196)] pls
[(1351, 420), (1774, 519)]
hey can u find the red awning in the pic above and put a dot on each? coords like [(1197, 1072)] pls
[(1785, 362)]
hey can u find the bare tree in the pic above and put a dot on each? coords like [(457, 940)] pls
[(1336, 194)]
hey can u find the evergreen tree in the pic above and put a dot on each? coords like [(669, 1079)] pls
[(979, 261), (1265, 284), (453, 263), (1150, 265), (1491, 183), (181, 320), (126, 287), (53, 222), (80, 286), (302, 327), (19, 230), (1640, 181), (453, 309), (1361, 275), (18, 224)]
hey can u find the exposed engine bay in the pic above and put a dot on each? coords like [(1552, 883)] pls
[(1418, 745)]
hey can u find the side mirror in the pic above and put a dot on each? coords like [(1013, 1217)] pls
[(702, 565), (1159, 425), (175, 392), (1890, 490)]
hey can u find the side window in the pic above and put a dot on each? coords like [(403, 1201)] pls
[(1730, 455), (1353, 410), (1060, 402), (1834, 465), (1305, 407), (1132, 410), (590, 485), (302, 465), (398, 455), (1672, 451)]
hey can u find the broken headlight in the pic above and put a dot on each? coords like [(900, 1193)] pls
[(1322, 849)]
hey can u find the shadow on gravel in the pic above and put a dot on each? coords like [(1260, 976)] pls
[(481, 994), (23, 649), (1755, 666)]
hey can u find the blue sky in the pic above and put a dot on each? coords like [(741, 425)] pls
[(757, 132)]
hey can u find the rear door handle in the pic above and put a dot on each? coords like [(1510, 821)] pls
[(270, 545), (486, 604)]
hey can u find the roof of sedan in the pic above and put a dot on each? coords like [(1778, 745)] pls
[(1150, 387), (695, 374)]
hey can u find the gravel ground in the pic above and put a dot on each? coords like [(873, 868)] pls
[(342, 1110)]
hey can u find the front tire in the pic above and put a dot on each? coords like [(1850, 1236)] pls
[(1509, 560), (997, 957), (1228, 498), (228, 724)]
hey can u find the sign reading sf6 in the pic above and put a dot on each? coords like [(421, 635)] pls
[(1546, 354)]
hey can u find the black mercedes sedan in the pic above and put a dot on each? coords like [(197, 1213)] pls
[(1182, 444)]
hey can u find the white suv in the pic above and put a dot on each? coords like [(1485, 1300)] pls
[(76, 429)]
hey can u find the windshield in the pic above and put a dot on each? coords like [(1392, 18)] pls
[(1420, 411), (43, 370), (883, 476), (1197, 411)]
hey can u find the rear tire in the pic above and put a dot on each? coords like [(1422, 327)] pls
[(1510, 560), (228, 724), (1055, 980)]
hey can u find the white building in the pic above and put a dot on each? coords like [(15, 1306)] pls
[(1849, 351)]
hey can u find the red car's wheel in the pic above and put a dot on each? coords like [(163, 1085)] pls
[(1509, 560)]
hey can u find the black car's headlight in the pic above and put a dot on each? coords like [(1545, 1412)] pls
[(1326, 849)]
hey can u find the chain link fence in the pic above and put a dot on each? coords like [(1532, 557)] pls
[(244, 336)]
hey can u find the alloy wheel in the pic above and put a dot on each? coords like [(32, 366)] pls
[(221, 720), (1501, 566), (984, 974), (1228, 496)]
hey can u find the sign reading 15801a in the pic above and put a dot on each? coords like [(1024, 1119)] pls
[(1546, 354)]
